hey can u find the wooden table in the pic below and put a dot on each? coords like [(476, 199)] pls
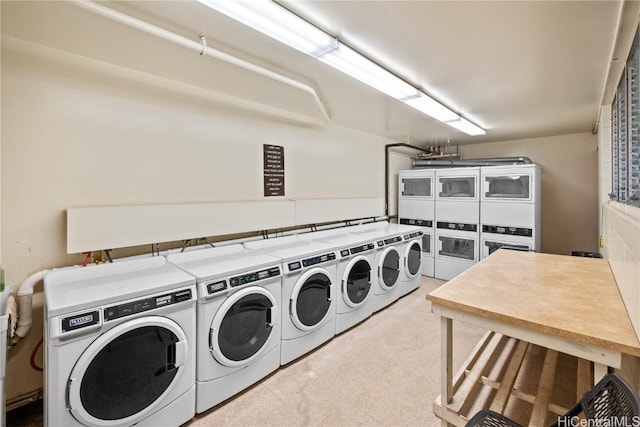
[(567, 304)]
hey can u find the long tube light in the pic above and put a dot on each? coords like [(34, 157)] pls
[(466, 126), (283, 25), (429, 106), (350, 62), (278, 23)]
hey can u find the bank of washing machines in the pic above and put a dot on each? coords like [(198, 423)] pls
[(416, 206), (398, 259), (120, 345), (457, 217), (387, 262), (356, 260), (309, 291), (238, 316), (510, 208)]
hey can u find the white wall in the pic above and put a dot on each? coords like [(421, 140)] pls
[(620, 229), (78, 135)]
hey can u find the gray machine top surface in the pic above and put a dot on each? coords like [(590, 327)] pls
[(288, 247), (72, 289), (221, 261)]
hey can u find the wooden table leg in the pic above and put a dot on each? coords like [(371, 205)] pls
[(446, 370), (599, 371)]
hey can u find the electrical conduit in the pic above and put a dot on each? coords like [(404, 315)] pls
[(201, 48)]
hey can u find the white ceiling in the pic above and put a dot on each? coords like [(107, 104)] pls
[(520, 69)]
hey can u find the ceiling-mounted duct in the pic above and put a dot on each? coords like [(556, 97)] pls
[(453, 163)]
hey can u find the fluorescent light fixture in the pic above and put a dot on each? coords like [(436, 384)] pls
[(277, 22), (466, 126), (361, 68), (429, 106)]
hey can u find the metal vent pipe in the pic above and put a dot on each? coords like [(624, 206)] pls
[(488, 161)]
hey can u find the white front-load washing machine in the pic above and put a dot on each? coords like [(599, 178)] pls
[(388, 262), (428, 236), (411, 272), (120, 345), (309, 285), (356, 260), (238, 317)]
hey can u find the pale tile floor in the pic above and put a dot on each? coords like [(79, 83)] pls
[(385, 371)]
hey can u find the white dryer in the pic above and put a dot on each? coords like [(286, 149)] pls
[(510, 206), (415, 194), (120, 345), (309, 285), (495, 238), (457, 198), (238, 312), (456, 248), (356, 259), (416, 206)]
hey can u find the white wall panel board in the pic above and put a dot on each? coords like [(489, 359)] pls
[(95, 228), (313, 211)]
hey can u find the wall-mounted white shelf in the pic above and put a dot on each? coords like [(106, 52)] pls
[(108, 227)]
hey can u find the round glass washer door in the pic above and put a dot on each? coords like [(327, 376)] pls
[(413, 258), (242, 326), (356, 283), (389, 268), (311, 299), (127, 371)]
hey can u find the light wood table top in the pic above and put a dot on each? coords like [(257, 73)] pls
[(575, 298)]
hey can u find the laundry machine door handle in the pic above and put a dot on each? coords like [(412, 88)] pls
[(180, 353)]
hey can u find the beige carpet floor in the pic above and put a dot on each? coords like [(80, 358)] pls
[(385, 371)]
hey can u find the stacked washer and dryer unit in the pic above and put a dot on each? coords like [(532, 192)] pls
[(457, 214), (120, 345), (416, 206), (475, 211), (510, 208)]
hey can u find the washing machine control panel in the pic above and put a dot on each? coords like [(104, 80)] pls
[(390, 241), (254, 276), (457, 226), (361, 248), (146, 304), (297, 265), (413, 235), (512, 231)]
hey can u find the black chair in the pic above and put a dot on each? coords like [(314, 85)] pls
[(611, 400)]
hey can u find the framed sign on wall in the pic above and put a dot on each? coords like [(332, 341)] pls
[(273, 161)]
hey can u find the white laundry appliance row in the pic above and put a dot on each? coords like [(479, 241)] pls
[(469, 212), (152, 341)]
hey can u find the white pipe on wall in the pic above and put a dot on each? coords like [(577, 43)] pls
[(25, 305), (201, 48)]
